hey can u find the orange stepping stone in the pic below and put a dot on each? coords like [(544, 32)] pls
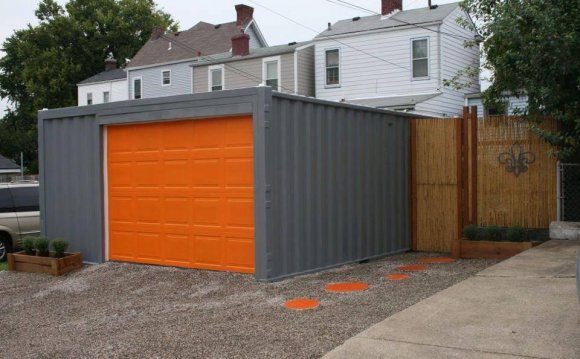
[(395, 277), (436, 260), (345, 287), (302, 304), (412, 268)]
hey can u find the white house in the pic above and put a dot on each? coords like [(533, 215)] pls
[(107, 86), (397, 59), (513, 105)]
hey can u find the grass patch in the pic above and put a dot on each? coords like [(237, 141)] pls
[(3, 266)]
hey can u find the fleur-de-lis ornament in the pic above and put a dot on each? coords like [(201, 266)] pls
[(516, 160)]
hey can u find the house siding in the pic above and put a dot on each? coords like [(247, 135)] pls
[(305, 59), (246, 73), (254, 40), (455, 57), (151, 80), (117, 91), (366, 76), (514, 104)]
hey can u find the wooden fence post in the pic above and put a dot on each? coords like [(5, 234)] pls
[(473, 159), (413, 184)]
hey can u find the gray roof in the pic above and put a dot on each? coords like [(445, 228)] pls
[(401, 18), (394, 101), (254, 53), (203, 37), (109, 75), (6, 164)]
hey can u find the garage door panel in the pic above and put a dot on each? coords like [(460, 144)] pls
[(181, 194), (240, 252), (208, 250), (239, 212)]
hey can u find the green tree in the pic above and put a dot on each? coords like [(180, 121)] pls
[(532, 47), (42, 64)]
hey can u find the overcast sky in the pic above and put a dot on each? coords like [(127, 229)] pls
[(314, 14)]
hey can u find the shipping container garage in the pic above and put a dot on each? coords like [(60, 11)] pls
[(249, 181)]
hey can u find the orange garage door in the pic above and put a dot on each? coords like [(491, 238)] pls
[(181, 194)]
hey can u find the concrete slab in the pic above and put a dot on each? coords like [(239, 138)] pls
[(507, 312), (565, 230), (372, 348), (555, 258)]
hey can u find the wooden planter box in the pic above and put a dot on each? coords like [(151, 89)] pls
[(464, 248), (21, 262)]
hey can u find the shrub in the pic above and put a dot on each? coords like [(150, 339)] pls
[(493, 233), (41, 246), (59, 246), (470, 232), (516, 234), (28, 245)]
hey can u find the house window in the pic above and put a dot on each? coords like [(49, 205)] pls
[(137, 88), (106, 97), (271, 72), (166, 77), (89, 98), (216, 78), (420, 58), (332, 67)]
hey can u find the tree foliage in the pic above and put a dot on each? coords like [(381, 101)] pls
[(42, 64), (532, 47)]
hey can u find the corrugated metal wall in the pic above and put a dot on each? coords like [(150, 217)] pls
[(331, 180), (70, 183), (338, 181)]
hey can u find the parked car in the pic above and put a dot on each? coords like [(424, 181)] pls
[(19, 215)]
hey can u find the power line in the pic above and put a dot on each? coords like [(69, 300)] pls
[(328, 37), (213, 60), (350, 6)]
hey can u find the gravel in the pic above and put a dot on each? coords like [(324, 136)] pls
[(115, 310)]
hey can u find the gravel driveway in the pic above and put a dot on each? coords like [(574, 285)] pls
[(127, 310)]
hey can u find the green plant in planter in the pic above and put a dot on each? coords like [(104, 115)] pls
[(470, 232), (493, 233), (41, 246), (59, 246), (28, 245), (516, 234)]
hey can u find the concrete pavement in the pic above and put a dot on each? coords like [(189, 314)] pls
[(524, 307)]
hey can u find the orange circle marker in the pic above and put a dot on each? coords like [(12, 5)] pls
[(301, 304), (412, 268), (395, 277), (436, 260), (345, 287)]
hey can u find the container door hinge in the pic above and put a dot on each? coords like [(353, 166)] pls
[(268, 204)]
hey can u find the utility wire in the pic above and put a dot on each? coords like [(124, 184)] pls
[(350, 6), (213, 60), (328, 37)]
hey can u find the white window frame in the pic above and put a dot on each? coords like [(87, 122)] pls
[(109, 96), (162, 72), (428, 58), (92, 100), (278, 60), (140, 78), (326, 85), (209, 77)]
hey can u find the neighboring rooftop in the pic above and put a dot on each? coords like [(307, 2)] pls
[(108, 75), (254, 53), (202, 39), (6, 164), (398, 19)]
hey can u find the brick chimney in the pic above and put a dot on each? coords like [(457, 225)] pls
[(244, 13), (157, 32), (388, 6), (240, 44), (110, 64)]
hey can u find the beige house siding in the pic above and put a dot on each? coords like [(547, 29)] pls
[(305, 59), (248, 73)]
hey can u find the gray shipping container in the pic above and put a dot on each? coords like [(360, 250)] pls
[(331, 180)]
